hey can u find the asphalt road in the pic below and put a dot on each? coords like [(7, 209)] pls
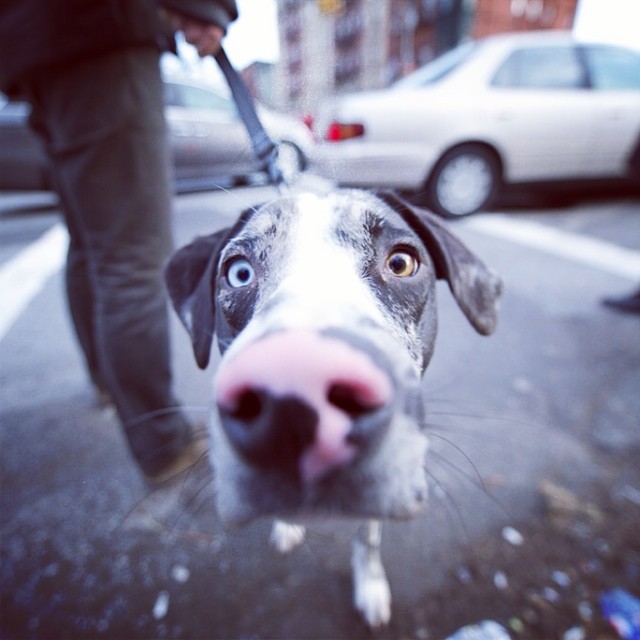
[(552, 396)]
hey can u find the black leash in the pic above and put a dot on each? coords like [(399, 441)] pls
[(264, 148)]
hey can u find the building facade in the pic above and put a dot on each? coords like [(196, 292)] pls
[(522, 15)]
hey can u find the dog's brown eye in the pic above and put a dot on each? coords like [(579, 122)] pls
[(240, 273), (402, 264)]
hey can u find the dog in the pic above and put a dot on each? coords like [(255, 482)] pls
[(324, 310)]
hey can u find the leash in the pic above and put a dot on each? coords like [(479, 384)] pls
[(264, 148)]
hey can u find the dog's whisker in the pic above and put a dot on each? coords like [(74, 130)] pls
[(165, 411), (451, 507), (236, 197), (468, 459), (190, 499), (184, 500), (479, 484), (484, 418), (205, 484), (241, 201), (202, 498), (471, 433), (138, 504), (437, 389)]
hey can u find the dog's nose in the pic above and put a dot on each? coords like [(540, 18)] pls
[(302, 403)]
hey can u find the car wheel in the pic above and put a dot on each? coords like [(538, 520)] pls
[(464, 181), (291, 161)]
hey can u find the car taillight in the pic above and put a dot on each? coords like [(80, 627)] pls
[(338, 131)]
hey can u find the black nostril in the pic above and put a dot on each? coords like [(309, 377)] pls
[(349, 399), (248, 406), (370, 414), (271, 432)]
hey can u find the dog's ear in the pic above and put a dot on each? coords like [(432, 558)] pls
[(474, 286), (190, 277)]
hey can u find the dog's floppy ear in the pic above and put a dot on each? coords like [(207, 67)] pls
[(475, 287), (190, 277)]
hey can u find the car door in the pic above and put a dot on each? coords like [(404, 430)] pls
[(541, 112), (614, 75), (207, 137)]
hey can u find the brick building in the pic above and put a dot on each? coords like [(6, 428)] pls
[(498, 16)]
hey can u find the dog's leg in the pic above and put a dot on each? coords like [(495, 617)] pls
[(372, 596), (285, 537)]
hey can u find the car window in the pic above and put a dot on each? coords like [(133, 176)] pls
[(554, 67), (184, 95), (439, 68), (612, 68)]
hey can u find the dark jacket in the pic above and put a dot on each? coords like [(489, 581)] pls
[(40, 34)]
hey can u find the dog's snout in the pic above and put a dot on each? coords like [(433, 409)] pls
[(302, 403)]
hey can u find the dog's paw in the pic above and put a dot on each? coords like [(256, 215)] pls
[(285, 537), (372, 597)]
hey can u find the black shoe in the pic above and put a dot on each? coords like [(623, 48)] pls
[(628, 304)]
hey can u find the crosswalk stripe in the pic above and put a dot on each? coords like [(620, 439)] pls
[(585, 250), (22, 277)]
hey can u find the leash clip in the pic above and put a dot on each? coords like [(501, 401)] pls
[(264, 148)]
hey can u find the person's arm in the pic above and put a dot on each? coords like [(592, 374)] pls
[(203, 22)]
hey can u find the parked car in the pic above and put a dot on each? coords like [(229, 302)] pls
[(513, 108), (208, 140)]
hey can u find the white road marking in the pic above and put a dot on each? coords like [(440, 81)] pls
[(22, 277), (591, 252)]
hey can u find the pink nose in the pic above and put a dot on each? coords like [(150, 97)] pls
[(302, 403)]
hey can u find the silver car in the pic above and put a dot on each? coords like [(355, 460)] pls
[(515, 108), (208, 140)]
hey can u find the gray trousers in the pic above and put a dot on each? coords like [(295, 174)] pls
[(102, 123)]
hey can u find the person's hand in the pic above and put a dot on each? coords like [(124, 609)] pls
[(204, 36)]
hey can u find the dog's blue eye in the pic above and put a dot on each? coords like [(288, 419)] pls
[(240, 273), (402, 264)]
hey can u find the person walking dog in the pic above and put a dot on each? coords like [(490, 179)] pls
[(90, 71)]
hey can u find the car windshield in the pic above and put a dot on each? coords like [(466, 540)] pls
[(439, 68)]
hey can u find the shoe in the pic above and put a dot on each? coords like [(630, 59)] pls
[(180, 489), (192, 455), (628, 304)]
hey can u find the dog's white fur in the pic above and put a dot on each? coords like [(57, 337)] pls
[(316, 265), (371, 591), (285, 537)]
